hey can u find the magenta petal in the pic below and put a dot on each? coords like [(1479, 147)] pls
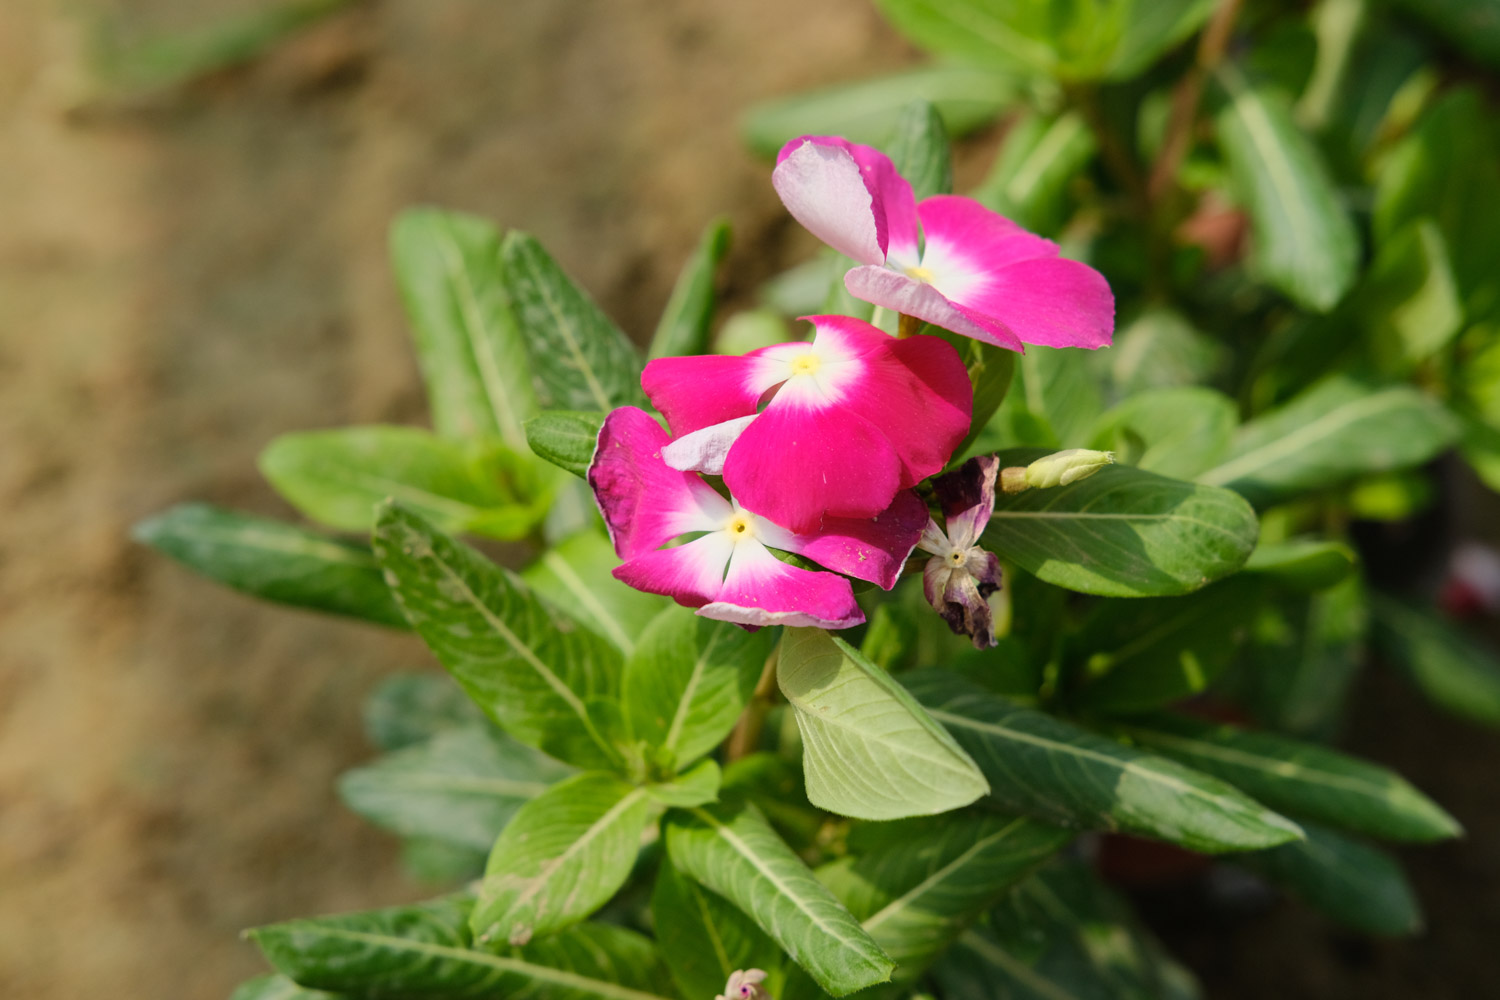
[(963, 232), (691, 574), (702, 390), (762, 590), (873, 549), (644, 503), (825, 189), (1053, 302), (796, 463), (901, 294), (922, 399)]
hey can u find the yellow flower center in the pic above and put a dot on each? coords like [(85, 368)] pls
[(740, 527), (920, 273), (806, 364)]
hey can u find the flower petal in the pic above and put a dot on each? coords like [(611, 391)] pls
[(691, 574), (873, 549), (762, 590), (825, 190), (961, 233), (702, 390), (893, 197), (903, 294), (705, 449), (797, 463), (645, 504), (967, 496)]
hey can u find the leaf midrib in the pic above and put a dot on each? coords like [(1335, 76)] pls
[(1279, 768), (272, 541), (894, 907), (566, 331)]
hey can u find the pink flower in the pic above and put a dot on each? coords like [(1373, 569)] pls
[(852, 419), (728, 572), (949, 261)]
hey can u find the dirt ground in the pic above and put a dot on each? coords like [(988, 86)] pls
[(186, 276)]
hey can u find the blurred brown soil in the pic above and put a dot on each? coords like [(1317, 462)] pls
[(184, 277)]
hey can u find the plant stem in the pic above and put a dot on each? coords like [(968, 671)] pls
[(1185, 98), (746, 735)]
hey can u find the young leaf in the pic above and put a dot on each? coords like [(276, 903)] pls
[(1046, 768), (967, 97), (1172, 432), (1142, 654), (1352, 882), (919, 149), (869, 750), (1305, 242), (697, 786), (579, 359), (337, 477), (703, 938), (566, 438), (1303, 563), (559, 859), (684, 325), (545, 680), (916, 884), (472, 354), (1338, 429), (689, 679), (461, 786), (575, 575), (734, 852), (1029, 180), (1123, 532), (423, 950), (1300, 778), (1455, 672), (274, 561), (407, 709), (276, 987)]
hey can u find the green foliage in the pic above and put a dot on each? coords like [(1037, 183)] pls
[(1042, 154), (703, 937), (684, 324), (920, 150), (1454, 671), (566, 438), (575, 575)]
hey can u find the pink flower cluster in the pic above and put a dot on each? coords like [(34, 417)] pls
[(819, 445)]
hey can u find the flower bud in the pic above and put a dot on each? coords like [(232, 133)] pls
[(1065, 467)]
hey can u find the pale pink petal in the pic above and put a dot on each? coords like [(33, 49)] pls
[(903, 294), (825, 190), (873, 549), (691, 574), (705, 449), (645, 504), (797, 463), (1053, 302), (702, 390), (762, 590), (919, 394)]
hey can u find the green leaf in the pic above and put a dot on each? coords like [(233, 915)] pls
[(1469, 24), (703, 938), (734, 852), (916, 884), (1454, 671), (991, 370), (575, 575), (1300, 778), (424, 950), (1411, 302), (967, 98), (276, 987), (461, 786), (1352, 882), (689, 679), (1338, 429), (407, 709), (1043, 767), (919, 149), (869, 750), (1173, 432), (566, 438), (1305, 243), (1062, 935), (1123, 532), (1115, 39), (1029, 180), (274, 561), (472, 355), (1161, 350), (337, 477), (684, 325), (1141, 654), (579, 359), (697, 786), (1057, 385), (548, 682), (1303, 563), (560, 858)]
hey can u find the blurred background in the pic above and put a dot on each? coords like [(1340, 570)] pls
[(194, 199)]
